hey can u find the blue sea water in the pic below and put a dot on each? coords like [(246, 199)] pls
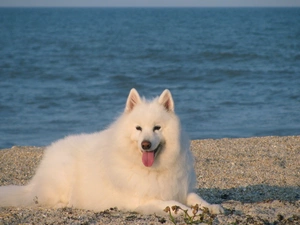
[(233, 72)]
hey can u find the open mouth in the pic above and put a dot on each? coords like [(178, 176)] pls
[(149, 156), (154, 151), (157, 149)]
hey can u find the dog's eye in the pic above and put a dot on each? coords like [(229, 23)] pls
[(156, 128), (138, 128)]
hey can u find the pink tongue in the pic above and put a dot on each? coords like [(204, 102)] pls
[(148, 158)]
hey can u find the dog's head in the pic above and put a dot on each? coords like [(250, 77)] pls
[(155, 127)]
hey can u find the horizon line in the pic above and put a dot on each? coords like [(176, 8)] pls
[(67, 6)]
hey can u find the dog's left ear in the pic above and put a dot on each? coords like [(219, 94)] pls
[(133, 99), (166, 100)]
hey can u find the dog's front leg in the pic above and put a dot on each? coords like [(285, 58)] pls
[(193, 199)]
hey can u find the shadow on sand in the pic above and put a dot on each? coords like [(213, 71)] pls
[(251, 194)]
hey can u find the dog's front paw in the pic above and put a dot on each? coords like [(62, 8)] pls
[(216, 209)]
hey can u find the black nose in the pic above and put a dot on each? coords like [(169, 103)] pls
[(146, 145)]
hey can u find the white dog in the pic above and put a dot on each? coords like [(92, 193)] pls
[(142, 162)]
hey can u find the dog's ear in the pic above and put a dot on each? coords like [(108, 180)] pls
[(166, 100), (133, 99)]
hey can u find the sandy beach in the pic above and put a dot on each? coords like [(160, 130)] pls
[(257, 181)]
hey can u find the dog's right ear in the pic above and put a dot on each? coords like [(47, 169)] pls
[(133, 99)]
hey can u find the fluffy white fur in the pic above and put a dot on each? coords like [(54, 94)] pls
[(105, 169)]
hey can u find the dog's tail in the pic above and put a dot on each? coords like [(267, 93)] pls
[(16, 196)]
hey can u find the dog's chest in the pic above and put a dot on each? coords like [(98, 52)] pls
[(156, 185)]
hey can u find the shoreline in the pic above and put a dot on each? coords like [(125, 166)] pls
[(257, 181)]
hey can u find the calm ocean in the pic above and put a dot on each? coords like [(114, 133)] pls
[(233, 72)]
